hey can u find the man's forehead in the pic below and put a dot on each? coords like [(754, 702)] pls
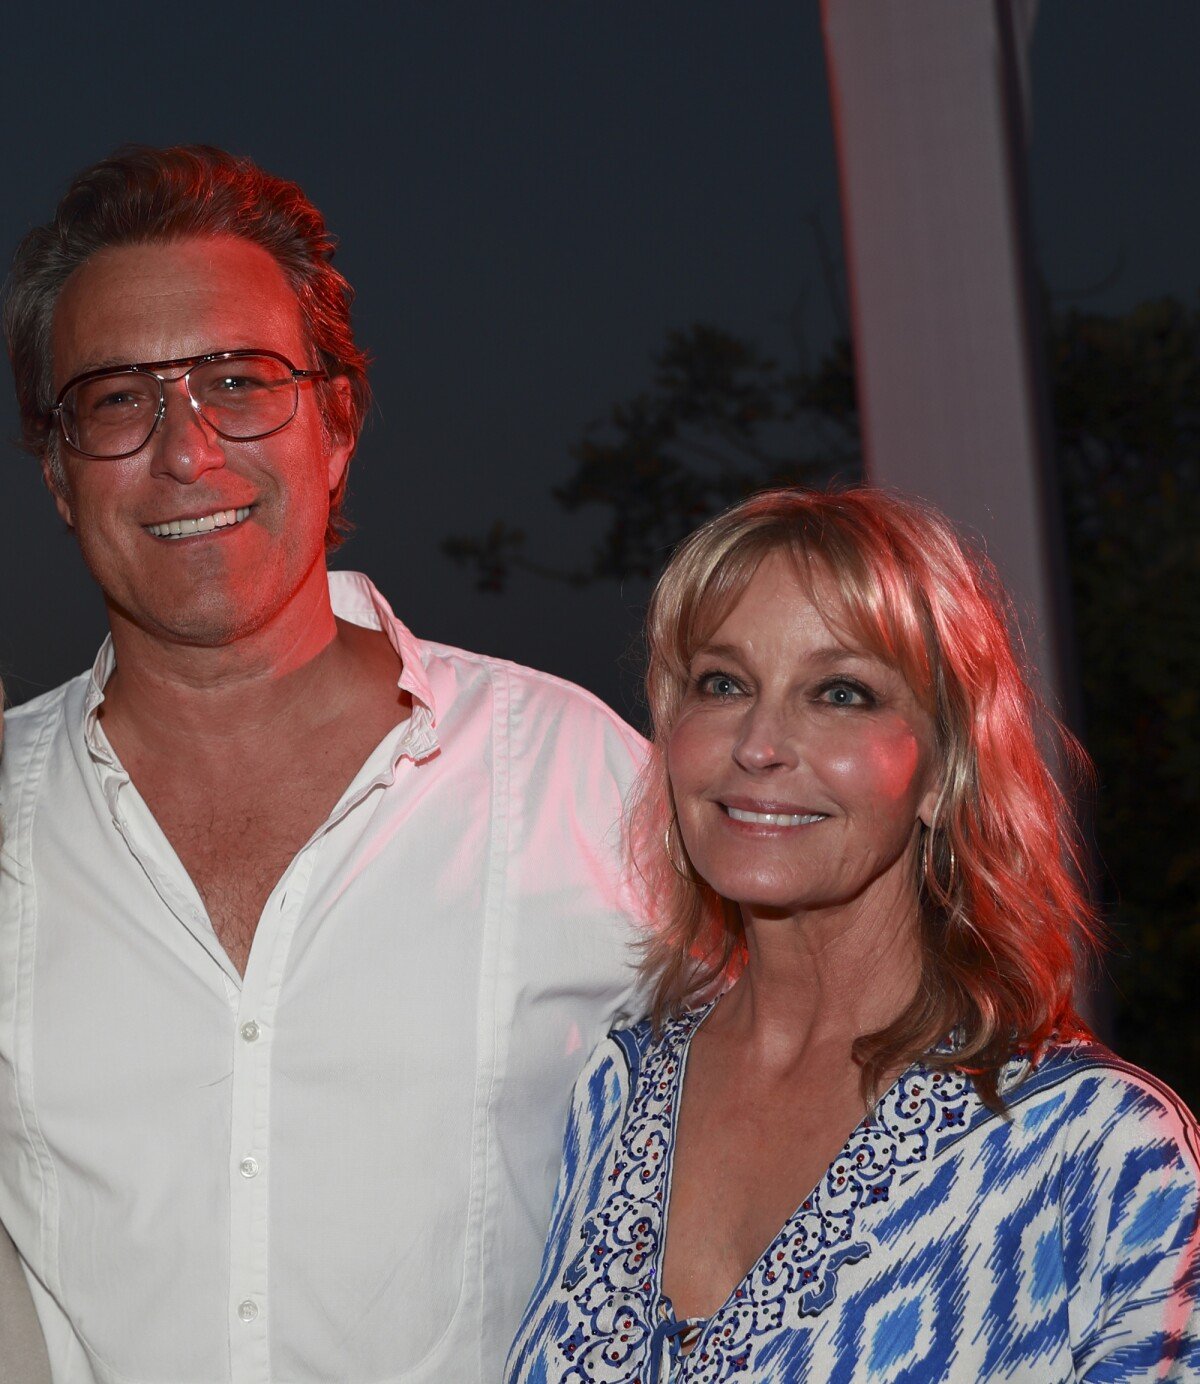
[(198, 263), (163, 300)]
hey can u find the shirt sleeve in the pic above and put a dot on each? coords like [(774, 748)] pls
[(597, 1111), (1131, 1235)]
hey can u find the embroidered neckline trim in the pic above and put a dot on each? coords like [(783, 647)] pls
[(615, 1281)]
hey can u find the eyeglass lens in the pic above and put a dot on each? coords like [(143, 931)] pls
[(114, 415)]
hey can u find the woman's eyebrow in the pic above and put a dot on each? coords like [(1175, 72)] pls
[(825, 654), (716, 651), (839, 653)]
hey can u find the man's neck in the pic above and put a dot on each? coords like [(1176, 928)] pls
[(164, 692), (241, 750)]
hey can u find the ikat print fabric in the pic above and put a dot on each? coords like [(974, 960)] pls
[(944, 1242)]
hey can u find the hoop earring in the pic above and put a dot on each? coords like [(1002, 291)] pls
[(673, 825), (932, 883)]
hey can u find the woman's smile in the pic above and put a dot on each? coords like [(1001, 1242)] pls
[(770, 815)]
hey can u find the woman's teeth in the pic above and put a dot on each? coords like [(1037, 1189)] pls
[(775, 819), (182, 528)]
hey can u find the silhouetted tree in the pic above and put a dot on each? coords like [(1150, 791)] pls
[(719, 420)]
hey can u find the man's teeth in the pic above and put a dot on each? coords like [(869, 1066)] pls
[(182, 528), (775, 819)]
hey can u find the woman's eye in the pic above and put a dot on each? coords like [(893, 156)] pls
[(843, 693), (718, 685)]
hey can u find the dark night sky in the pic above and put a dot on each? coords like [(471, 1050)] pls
[(529, 195)]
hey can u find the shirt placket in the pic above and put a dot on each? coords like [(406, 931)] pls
[(251, 1005), (253, 1012)]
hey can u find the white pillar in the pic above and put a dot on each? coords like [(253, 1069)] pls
[(929, 101)]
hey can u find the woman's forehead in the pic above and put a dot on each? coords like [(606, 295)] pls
[(777, 569), (850, 604)]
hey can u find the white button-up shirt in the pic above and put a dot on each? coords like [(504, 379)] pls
[(338, 1168)]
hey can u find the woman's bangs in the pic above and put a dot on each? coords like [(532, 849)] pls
[(867, 601), (724, 586), (854, 578)]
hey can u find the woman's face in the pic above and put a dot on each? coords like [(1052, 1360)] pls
[(801, 764)]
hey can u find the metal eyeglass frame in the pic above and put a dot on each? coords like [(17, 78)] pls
[(188, 364)]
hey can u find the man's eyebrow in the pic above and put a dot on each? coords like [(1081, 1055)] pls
[(104, 363)]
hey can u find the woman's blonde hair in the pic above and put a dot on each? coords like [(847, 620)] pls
[(1001, 910)]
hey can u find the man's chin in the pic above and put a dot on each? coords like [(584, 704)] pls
[(206, 620)]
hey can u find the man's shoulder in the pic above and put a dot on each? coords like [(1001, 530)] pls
[(531, 691), (458, 678), (27, 725)]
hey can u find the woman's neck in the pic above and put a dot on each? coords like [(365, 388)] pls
[(813, 984)]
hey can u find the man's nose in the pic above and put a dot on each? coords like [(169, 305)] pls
[(183, 446)]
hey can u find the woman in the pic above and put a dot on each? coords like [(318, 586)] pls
[(889, 1150)]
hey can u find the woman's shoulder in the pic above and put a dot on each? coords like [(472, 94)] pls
[(1119, 1158), (1106, 1103), (613, 1069), (1101, 1078), (641, 1044)]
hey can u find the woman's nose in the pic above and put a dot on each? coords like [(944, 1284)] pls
[(766, 739)]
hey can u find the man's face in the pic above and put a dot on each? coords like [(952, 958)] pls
[(139, 303)]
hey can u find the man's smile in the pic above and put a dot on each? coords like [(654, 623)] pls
[(200, 523)]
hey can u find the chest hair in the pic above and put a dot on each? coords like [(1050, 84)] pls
[(236, 842)]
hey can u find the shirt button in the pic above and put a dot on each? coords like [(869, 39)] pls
[(249, 1167), (250, 1031), (248, 1310)]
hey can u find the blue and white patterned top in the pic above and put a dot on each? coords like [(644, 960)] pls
[(943, 1243)]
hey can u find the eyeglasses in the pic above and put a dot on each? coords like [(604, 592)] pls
[(242, 395)]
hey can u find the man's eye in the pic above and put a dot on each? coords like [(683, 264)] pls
[(118, 398), (718, 685), (235, 384)]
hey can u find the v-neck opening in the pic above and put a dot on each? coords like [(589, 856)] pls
[(671, 1315), (743, 1288)]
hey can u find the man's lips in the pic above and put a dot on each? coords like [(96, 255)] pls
[(200, 523), (770, 814)]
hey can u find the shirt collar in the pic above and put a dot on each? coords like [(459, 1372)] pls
[(353, 598), (94, 737)]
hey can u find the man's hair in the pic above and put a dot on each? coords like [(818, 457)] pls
[(999, 901), (142, 195)]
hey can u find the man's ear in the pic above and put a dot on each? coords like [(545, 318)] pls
[(55, 484), (341, 444)]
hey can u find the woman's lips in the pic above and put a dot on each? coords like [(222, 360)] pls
[(772, 815)]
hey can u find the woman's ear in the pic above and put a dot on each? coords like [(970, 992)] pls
[(927, 807)]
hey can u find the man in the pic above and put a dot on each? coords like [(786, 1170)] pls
[(305, 925), (22, 1351)]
